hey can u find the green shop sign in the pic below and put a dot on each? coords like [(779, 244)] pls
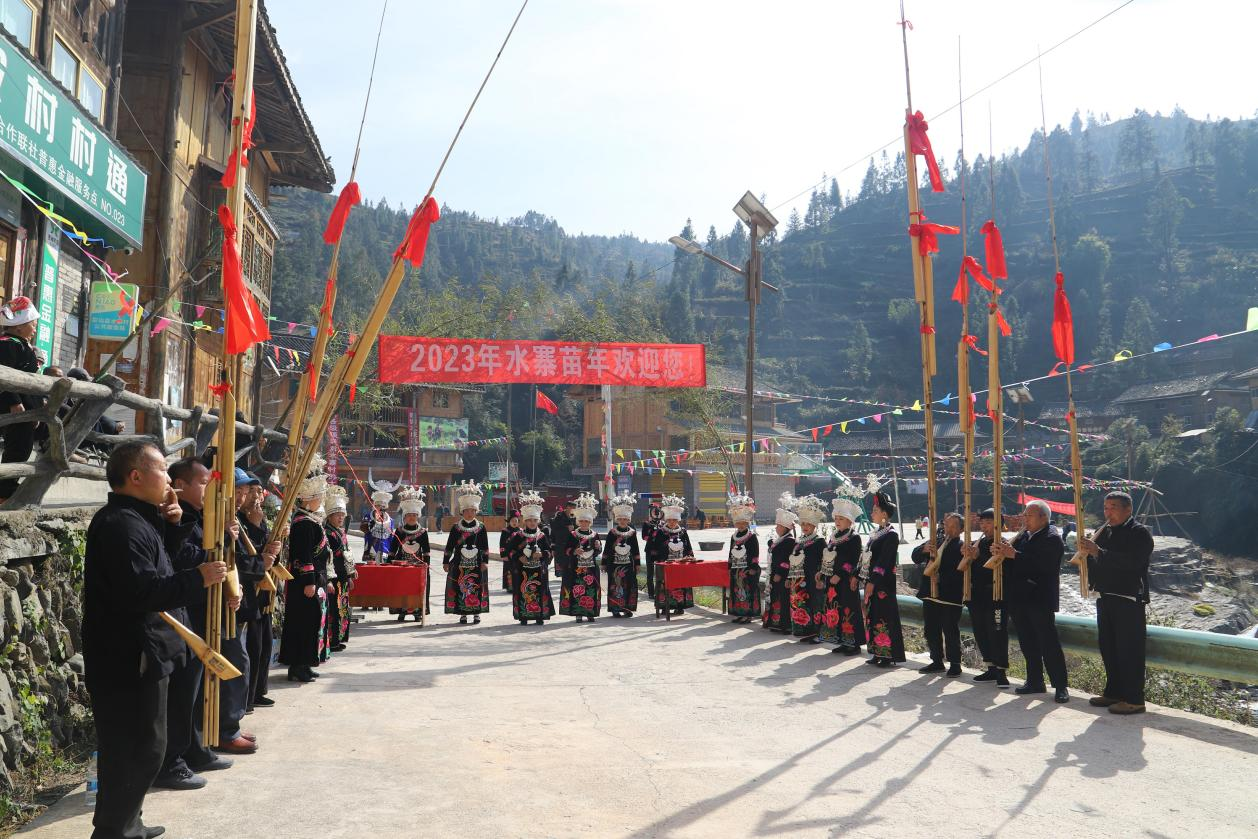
[(56, 142)]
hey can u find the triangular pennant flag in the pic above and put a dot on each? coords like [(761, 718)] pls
[(843, 427), (829, 428), (897, 413), (917, 404)]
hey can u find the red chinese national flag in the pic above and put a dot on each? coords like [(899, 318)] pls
[(245, 325), (544, 402)]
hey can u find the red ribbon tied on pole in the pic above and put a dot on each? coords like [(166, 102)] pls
[(995, 247), (927, 233), (239, 157), (416, 238), (919, 143), (244, 325), (971, 341), (1063, 323), (346, 201), (970, 266), (1001, 323)]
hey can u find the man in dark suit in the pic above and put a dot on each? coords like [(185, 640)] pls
[(129, 651), (654, 518), (1118, 569), (1032, 569)]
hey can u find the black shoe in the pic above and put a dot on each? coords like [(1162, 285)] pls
[(1027, 690), (989, 676), (852, 651), (1061, 696), (154, 831), (591, 620), (463, 620), (181, 779), (1002, 681), (811, 639), (524, 623), (312, 673), (933, 667), (401, 617), (539, 621), (884, 662), (476, 619), (873, 660), (264, 702), (953, 671), (299, 676), (338, 648), (218, 764)]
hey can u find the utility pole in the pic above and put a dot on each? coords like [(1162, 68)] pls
[(752, 277), (895, 479)]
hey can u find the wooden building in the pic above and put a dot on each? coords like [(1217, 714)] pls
[(176, 60)]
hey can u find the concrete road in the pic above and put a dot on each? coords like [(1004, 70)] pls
[(694, 728)]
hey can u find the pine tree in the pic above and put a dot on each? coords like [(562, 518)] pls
[(836, 199), (709, 275), (1163, 214), (794, 224), (869, 184), (1138, 327), (1137, 150)]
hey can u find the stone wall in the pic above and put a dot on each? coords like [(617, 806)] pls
[(43, 702)]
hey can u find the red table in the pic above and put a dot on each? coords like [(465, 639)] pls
[(392, 586), (707, 573)]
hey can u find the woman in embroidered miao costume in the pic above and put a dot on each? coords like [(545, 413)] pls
[(528, 553), (466, 557), (744, 561), (842, 621), (581, 595), (621, 558)]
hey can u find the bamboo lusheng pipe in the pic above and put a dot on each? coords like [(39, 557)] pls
[(966, 406), (1076, 460), (214, 661), (923, 283), (223, 484), (349, 366)]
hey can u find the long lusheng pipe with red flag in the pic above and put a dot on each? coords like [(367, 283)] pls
[(350, 365)]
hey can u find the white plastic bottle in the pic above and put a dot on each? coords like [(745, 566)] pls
[(93, 783)]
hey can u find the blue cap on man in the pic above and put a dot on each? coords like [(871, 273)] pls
[(244, 479)]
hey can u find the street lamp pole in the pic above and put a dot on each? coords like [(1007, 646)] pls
[(752, 277)]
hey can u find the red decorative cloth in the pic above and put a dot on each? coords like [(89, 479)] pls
[(246, 143), (1005, 328), (692, 574), (416, 238), (245, 325), (971, 341), (970, 266), (346, 201), (927, 233), (919, 143), (995, 248), (1063, 323)]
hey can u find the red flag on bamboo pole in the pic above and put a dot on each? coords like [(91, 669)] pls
[(416, 239), (244, 324), (1063, 324)]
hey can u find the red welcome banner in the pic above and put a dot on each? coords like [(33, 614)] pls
[(410, 360), (1060, 507)]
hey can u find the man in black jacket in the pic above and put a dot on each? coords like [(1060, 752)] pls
[(942, 614), (251, 565), (253, 524), (654, 518), (987, 615), (1118, 569), (190, 477), (129, 652), (1032, 571)]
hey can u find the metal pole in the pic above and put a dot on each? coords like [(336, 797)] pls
[(607, 446), (753, 295), (1022, 446), (533, 428), (506, 509), (895, 479)]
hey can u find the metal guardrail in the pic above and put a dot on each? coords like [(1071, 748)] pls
[(1230, 657), (88, 402)]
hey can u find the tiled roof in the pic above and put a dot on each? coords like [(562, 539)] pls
[(1188, 386)]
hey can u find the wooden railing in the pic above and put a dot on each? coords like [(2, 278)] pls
[(88, 402)]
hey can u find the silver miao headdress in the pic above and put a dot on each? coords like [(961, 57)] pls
[(674, 507), (531, 503), (411, 500), (847, 501), (469, 495), (382, 491), (786, 510), (811, 509), (741, 507), (315, 482), (587, 507), (622, 505), (335, 500)]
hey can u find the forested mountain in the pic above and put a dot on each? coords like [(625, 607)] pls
[(1156, 224), (462, 247)]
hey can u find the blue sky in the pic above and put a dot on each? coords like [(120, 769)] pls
[(631, 115)]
